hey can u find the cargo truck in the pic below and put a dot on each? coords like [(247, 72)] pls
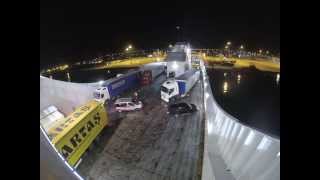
[(73, 134), (113, 87), (150, 72), (173, 89)]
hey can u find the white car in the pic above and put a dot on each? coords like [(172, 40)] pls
[(127, 104)]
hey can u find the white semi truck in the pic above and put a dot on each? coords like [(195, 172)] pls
[(172, 89)]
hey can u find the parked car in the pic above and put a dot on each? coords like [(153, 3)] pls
[(182, 108), (127, 104)]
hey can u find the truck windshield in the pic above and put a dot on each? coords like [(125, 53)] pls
[(170, 91), (96, 95), (164, 89)]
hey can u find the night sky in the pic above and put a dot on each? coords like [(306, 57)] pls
[(72, 30)]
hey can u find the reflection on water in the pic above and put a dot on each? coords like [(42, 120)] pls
[(68, 76), (249, 95), (238, 79), (225, 87)]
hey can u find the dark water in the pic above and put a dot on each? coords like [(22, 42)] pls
[(88, 76), (253, 98)]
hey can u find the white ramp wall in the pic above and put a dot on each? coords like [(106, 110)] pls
[(64, 95), (52, 165), (233, 150)]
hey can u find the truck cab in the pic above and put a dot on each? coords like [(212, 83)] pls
[(101, 94), (169, 89), (180, 86)]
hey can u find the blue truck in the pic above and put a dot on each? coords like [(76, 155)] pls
[(113, 87)]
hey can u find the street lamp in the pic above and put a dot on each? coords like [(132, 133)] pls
[(241, 47), (228, 43), (129, 47), (260, 51), (226, 47)]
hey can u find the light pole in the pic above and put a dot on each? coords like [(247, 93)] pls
[(129, 47), (241, 52), (179, 34), (227, 48), (127, 50)]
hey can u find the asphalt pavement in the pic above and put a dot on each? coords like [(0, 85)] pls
[(149, 144)]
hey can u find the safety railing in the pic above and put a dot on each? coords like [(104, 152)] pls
[(245, 153)]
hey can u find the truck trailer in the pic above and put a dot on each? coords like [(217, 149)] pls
[(73, 134), (172, 89), (113, 87), (150, 72)]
